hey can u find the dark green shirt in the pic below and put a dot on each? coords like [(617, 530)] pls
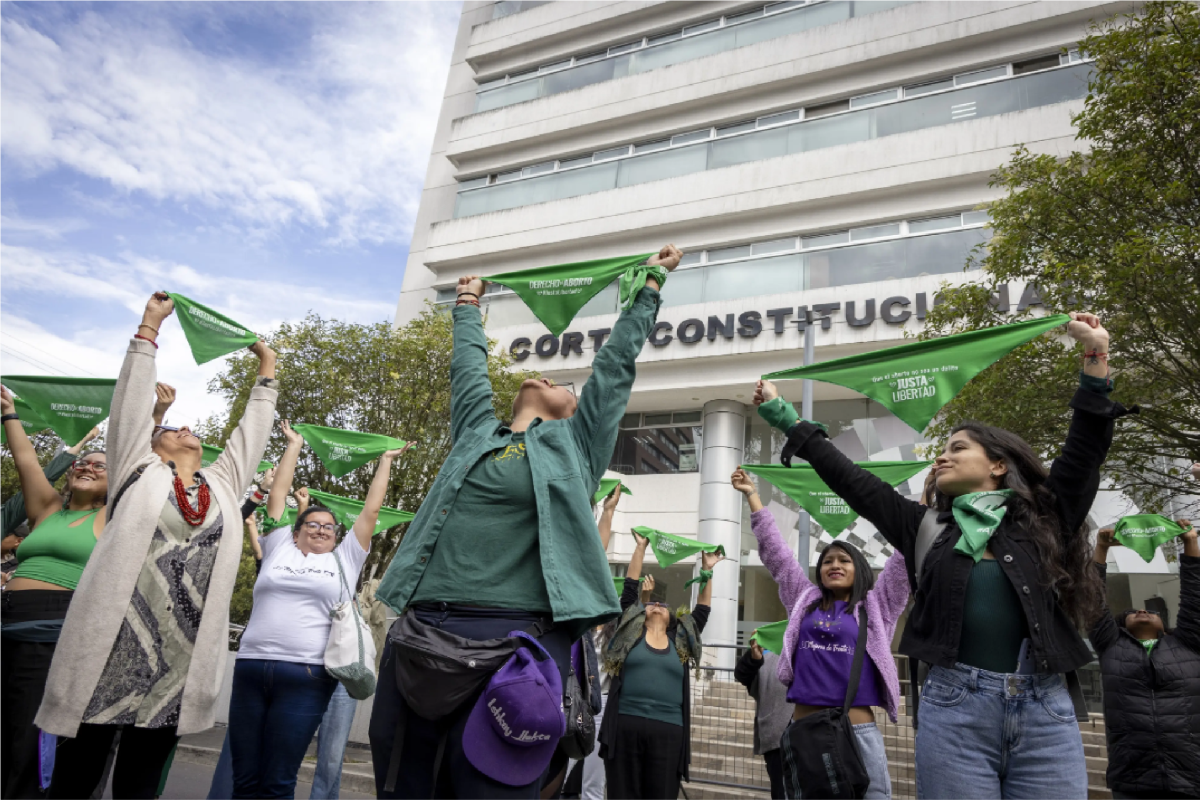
[(488, 554), (652, 684), (994, 623)]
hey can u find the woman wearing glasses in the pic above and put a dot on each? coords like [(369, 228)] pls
[(645, 738), (143, 647), (64, 529), (280, 687)]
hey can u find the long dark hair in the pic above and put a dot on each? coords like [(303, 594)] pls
[(1065, 557), (864, 579)]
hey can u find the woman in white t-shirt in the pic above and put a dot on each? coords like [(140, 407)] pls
[(280, 687)]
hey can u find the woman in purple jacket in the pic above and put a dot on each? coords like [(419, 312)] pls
[(818, 646)]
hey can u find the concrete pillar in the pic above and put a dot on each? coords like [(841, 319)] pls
[(721, 517)]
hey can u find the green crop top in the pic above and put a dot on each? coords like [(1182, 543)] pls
[(55, 552)]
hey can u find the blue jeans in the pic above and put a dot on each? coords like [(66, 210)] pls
[(222, 779), (331, 745), (986, 734), (274, 711)]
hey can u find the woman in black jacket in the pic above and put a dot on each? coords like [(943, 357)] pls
[(999, 592), (645, 740), (1152, 688)]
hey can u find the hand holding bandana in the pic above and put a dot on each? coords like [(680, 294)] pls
[(71, 407), (669, 548), (209, 334), (1145, 533), (606, 487), (770, 637), (30, 420)]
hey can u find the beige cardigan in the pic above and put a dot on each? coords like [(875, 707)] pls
[(107, 584)]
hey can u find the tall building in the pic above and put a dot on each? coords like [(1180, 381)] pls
[(824, 165)]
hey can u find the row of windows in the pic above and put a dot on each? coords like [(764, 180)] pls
[(670, 47), (798, 132), (506, 7)]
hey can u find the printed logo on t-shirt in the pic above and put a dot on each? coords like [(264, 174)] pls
[(511, 453), (824, 626), (305, 570)]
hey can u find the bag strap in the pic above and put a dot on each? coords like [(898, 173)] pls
[(860, 652), (925, 535), (130, 481), (358, 619)]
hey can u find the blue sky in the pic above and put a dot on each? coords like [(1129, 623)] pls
[(262, 158)]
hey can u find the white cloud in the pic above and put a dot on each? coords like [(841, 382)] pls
[(336, 139)]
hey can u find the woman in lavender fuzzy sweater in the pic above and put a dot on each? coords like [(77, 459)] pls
[(822, 630)]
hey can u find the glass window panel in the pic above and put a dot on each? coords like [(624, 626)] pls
[(446, 295), (943, 253), (482, 85), (662, 165), (776, 7), (775, 246), (578, 76), (825, 109), (579, 161), (683, 50), (968, 78), (744, 16), (694, 136), (631, 420), (726, 253), (615, 152), (650, 147), (873, 99), (656, 451), (515, 76), (508, 95), (830, 132), (737, 127), (685, 416), (749, 279), (862, 264), (624, 48), (1055, 86), (926, 88), (505, 177), (505, 196), (658, 419), (976, 217), (687, 287), (555, 66), (701, 27), (471, 184), (691, 258), (590, 57), (874, 232), (507, 310), (665, 37), (538, 169), (934, 224), (1036, 64), (802, 19), (605, 302), (825, 239), (775, 119), (596, 178), (754, 147)]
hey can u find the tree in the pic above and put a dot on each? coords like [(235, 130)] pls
[(371, 378), (1114, 229)]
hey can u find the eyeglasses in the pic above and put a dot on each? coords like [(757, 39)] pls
[(655, 604), (158, 428), (313, 527), (94, 466)]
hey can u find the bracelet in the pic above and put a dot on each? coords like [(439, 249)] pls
[(1096, 354), (144, 339), (258, 496), (467, 303), (460, 294), (151, 327), (7, 417)]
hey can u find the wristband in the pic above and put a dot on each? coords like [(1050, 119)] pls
[(144, 339), (7, 417), (258, 496), (460, 294), (467, 303)]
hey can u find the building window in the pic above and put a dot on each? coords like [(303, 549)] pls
[(658, 444), (967, 96)]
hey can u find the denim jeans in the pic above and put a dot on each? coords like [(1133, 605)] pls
[(222, 779), (986, 734), (274, 711), (870, 744), (331, 744)]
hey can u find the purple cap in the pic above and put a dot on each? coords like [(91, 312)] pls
[(518, 720)]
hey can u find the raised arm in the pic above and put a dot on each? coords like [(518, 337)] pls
[(776, 556), (1103, 632), (131, 415), (364, 526), (470, 386), (606, 516), (629, 595), (244, 449), (896, 517), (40, 498), (892, 587), (252, 532), (1187, 622), (285, 471), (603, 398)]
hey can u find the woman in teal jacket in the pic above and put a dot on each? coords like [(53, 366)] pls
[(506, 539)]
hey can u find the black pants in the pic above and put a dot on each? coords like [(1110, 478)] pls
[(1119, 795), (143, 753), (774, 760), (23, 670), (646, 763), (457, 777)]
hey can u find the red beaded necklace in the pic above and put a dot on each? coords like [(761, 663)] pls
[(192, 516)]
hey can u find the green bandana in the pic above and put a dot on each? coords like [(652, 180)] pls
[(669, 548), (915, 380), (1143, 533), (770, 637), (69, 406), (606, 487), (978, 514), (633, 279), (342, 451), (832, 512), (209, 334), (619, 584), (1148, 644), (703, 579), (346, 511), (286, 520), (31, 422), (556, 294), (209, 454)]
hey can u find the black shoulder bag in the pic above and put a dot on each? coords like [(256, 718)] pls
[(821, 757)]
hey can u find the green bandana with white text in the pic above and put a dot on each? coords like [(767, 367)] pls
[(209, 454), (770, 637), (69, 406), (802, 484), (914, 381), (343, 451), (669, 548), (30, 420), (346, 511), (556, 294), (606, 487), (209, 334), (1144, 533), (978, 514)]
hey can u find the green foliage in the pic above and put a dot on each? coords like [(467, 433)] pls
[(371, 378), (1113, 229)]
